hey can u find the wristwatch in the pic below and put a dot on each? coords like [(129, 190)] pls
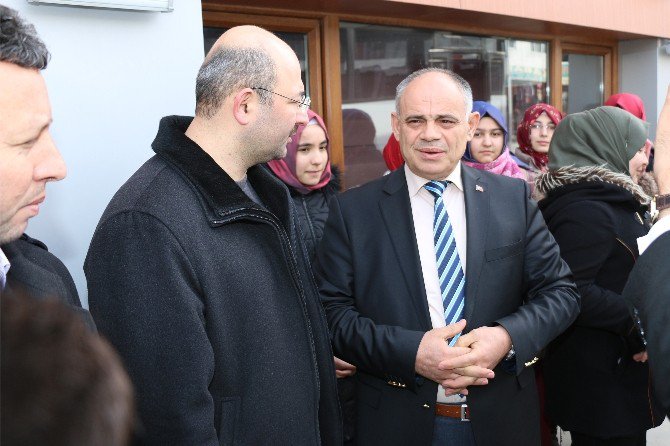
[(511, 354), (658, 203)]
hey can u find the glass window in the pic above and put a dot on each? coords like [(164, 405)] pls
[(582, 82), (297, 41), (511, 74)]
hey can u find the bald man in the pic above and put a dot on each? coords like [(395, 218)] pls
[(198, 276)]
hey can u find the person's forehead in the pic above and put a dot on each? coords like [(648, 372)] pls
[(24, 103), (435, 92), (488, 122)]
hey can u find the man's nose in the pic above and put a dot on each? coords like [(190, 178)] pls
[(49, 165), (430, 132)]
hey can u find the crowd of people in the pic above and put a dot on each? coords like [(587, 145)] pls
[(476, 294)]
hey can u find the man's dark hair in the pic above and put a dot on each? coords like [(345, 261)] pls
[(61, 383), (19, 42), (228, 69)]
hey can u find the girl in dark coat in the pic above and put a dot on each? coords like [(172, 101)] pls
[(312, 181), (310, 178), (597, 381)]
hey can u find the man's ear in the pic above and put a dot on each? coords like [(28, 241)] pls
[(395, 125), (473, 122), (244, 106)]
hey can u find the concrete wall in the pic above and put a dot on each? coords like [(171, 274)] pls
[(112, 76), (644, 69)]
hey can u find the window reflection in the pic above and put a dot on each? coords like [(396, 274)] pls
[(297, 41), (511, 74)]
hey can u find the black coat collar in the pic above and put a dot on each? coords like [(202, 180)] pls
[(221, 196)]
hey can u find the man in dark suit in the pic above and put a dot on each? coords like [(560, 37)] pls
[(389, 292), (28, 161), (648, 289)]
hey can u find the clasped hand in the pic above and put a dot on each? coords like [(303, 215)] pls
[(469, 362)]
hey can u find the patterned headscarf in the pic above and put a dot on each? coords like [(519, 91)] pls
[(285, 168), (523, 131)]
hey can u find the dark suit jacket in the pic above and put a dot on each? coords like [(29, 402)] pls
[(648, 290), (35, 272), (371, 285)]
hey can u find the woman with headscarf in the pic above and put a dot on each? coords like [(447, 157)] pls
[(534, 135), (310, 178), (488, 148), (633, 104), (597, 383), (312, 181)]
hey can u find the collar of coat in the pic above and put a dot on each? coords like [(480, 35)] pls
[(219, 194), (556, 178)]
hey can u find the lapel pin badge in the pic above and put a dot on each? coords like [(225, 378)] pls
[(478, 188)]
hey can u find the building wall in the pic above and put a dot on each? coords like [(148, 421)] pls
[(646, 17), (644, 69), (112, 76)]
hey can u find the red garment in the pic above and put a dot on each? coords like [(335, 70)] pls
[(392, 155), (285, 167), (629, 102), (523, 131)]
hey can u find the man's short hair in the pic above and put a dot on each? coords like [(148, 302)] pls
[(19, 43), (461, 83), (62, 384), (229, 69)]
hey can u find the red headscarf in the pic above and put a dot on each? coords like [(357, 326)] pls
[(629, 102), (523, 131), (633, 105), (392, 155), (285, 167)]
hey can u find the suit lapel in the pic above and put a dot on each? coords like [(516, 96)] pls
[(397, 215), (477, 216)]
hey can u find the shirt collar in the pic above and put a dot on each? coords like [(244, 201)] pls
[(4, 266), (415, 183)]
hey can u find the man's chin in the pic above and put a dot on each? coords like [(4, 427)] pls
[(13, 232)]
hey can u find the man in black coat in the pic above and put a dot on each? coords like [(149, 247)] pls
[(197, 273), (28, 161), (648, 288), (378, 278)]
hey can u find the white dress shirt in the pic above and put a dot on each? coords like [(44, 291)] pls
[(4, 269), (660, 227), (423, 205)]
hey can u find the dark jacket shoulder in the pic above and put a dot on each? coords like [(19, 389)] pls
[(36, 272)]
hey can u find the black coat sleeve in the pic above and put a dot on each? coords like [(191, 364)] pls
[(144, 297)]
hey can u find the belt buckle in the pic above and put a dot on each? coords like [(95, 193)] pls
[(464, 412)]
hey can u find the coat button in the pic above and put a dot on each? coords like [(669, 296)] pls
[(426, 406)]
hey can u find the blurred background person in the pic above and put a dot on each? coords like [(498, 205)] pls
[(364, 160), (62, 384), (392, 155), (312, 181), (534, 135), (597, 380)]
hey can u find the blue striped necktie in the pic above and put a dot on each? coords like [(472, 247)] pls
[(449, 269)]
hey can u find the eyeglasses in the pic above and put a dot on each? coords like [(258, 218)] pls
[(304, 102), (538, 126)]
